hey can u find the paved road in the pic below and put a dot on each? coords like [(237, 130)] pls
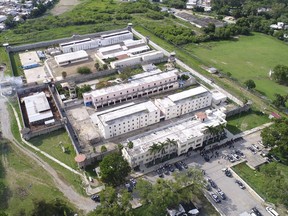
[(82, 203), (238, 200)]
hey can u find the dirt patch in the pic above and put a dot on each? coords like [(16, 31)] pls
[(63, 6)]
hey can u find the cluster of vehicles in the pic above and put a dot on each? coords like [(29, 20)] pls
[(236, 155), (166, 169), (256, 212), (219, 193)]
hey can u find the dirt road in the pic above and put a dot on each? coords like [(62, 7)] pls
[(63, 5), (82, 203)]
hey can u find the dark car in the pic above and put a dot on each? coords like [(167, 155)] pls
[(160, 173), (184, 164), (166, 171), (171, 168), (206, 158), (95, 198), (240, 184), (256, 211), (227, 172), (215, 198), (221, 194), (212, 183), (178, 166)]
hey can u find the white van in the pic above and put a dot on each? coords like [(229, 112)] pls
[(271, 211)]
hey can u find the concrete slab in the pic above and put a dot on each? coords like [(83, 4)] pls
[(35, 74)]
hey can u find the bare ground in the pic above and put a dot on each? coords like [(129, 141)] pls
[(63, 6)]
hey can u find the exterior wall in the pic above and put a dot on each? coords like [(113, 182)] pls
[(152, 56), (128, 124), (116, 39), (126, 62), (80, 46), (145, 89)]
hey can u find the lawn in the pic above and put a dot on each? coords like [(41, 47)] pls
[(16, 64), (246, 121), (26, 181), (51, 143), (4, 59), (249, 57), (266, 185)]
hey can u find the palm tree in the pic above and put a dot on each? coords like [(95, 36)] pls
[(162, 147), (171, 142), (153, 149)]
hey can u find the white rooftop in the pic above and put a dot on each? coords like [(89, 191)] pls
[(37, 107), (186, 94), (216, 95), (134, 83), (180, 131), (127, 111), (145, 74), (166, 102), (71, 56)]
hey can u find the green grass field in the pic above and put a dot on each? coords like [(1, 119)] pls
[(26, 181), (249, 57), (246, 121)]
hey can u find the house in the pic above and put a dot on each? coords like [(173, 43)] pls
[(183, 209)]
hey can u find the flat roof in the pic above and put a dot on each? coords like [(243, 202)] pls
[(166, 102), (75, 42), (71, 56), (109, 48), (115, 34), (28, 58), (218, 95), (186, 94), (180, 131), (37, 107), (109, 117), (134, 83)]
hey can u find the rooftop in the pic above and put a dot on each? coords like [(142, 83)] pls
[(109, 117), (134, 83), (71, 56), (37, 107), (186, 94), (180, 131)]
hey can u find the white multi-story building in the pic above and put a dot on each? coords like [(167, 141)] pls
[(135, 88), (103, 40), (117, 121), (184, 102), (184, 136)]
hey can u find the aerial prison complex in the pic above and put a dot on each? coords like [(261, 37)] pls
[(126, 106)]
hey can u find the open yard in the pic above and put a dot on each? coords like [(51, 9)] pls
[(266, 182), (249, 57)]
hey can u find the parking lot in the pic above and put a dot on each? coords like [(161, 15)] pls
[(238, 200)]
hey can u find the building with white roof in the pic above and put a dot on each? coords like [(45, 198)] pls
[(186, 135), (103, 40), (115, 122), (70, 58), (218, 97), (184, 102), (37, 108), (135, 88)]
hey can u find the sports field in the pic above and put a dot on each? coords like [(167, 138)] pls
[(249, 57)]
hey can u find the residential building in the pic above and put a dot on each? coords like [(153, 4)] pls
[(186, 135), (133, 89), (70, 58), (184, 102), (117, 121), (37, 108)]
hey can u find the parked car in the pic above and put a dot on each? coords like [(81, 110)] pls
[(256, 211), (215, 198), (227, 172), (171, 168), (240, 153), (133, 182), (256, 147), (160, 173), (236, 157), (183, 164), (212, 183), (231, 159), (275, 158), (240, 184), (206, 158), (252, 150), (271, 211), (95, 198), (221, 194), (178, 166)]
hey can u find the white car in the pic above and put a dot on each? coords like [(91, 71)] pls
[(271, 211)]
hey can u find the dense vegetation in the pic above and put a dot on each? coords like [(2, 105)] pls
[(276, 136), (255, 15)]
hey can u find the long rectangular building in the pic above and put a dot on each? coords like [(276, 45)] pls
[(184, 102), (136, 88), (185, 135), (70, 58), (115, 122)]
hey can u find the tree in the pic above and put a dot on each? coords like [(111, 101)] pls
[(250, 84), (82, 89), (153, 149), (113, 203), (103, 149), (97, 66), (162, 148), (9, 22), (64, 74), (130, 144), (114, 169), (171, 143), (105, 66), (279, 100), (280, 74), (55, 207), (84, 70)]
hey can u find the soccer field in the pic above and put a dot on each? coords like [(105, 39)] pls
[(249, 57)]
